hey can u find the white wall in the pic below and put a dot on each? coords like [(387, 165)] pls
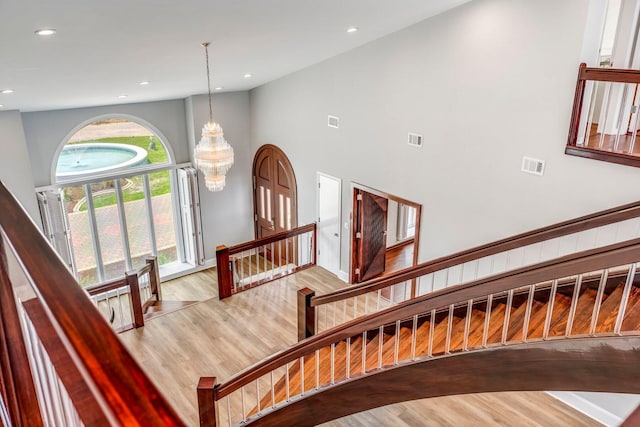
[(46, 131), (15, 168), (485, 83), (226, 215)]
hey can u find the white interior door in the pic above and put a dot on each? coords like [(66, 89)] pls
[(329, 197)]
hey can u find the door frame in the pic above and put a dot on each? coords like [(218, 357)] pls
[(339, 181), (352, 240)]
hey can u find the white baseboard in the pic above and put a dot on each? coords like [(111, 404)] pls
[(586, 407), (344, 276)]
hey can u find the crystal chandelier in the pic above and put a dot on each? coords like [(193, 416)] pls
[(213, 155)]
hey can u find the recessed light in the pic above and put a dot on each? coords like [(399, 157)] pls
[(7, 91), (248, 76), (218, 88), (122, 96), (1, 105), (144, 83), (352, 29), (46, 32)]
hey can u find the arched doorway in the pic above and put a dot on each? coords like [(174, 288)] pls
[(275, 192)]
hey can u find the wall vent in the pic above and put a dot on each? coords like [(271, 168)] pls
[(333, 122), (531, 165), (415, 139)]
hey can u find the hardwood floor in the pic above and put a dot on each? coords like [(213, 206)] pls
[(397, 258), (607, 142), (221, 338)]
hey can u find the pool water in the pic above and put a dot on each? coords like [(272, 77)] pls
[(85, 159)]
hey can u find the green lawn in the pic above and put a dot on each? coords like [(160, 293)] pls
[(160, 181)]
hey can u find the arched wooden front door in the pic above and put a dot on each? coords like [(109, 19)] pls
[(274, 192)]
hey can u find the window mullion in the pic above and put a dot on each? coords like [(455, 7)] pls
[(152, 228), (93, 228), (176, 206), (126, 248)]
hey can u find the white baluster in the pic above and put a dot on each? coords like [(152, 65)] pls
[(487, 319), (527, 313), (396, 346), (598, 301), (507, 315), (467, 325), (574, 304), (550, 304), (625, 298)]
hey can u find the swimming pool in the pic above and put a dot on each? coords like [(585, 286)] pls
[(81, 160)]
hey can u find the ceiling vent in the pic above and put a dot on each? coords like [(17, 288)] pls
[(533, 166), (333, 122), (415, 139)]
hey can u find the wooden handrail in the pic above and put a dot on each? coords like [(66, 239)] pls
[(586, 222), (131, 281), (585, 74), (591, 260), (18, 389), (252, 244), (124, 389), (224, 254)]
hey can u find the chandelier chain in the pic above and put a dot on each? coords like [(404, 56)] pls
[(206, 53)]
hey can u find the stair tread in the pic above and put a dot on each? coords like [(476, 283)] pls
[(496, 319), (609, 310)]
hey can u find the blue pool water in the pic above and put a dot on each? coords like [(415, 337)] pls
[(86, 159)]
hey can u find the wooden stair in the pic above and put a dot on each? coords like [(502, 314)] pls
[(382, 345)]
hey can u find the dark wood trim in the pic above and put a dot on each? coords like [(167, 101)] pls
[(136, 301), (619, 75), (353, 242), (586, 222), (241, 247), (123, 386), (306, 314), (607, 156), (17, 380), (400, 244), (80, 394), (101, 288), (577, 107), (604, 75), (279, 151), (588, 364), (225, 269), (206, 401), (225, 275), (595, 259)]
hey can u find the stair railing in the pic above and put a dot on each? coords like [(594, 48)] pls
[(485, 315), (605, 120), (60, 362), (246, 265), (322, 312), (123, 302)]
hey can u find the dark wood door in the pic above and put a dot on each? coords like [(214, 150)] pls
[(275, 194), (371, 237)]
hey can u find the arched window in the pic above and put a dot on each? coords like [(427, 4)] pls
[(116, 191)]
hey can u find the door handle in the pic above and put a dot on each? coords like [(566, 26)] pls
[(336, 235)]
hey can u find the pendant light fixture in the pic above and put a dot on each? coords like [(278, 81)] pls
[(212, 155)]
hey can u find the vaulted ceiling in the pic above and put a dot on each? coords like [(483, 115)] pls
[(103, 50)]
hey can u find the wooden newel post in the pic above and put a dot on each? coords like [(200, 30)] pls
[(207, 388), (306, 314), (136, 301), (154, 277), (225, 278)]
